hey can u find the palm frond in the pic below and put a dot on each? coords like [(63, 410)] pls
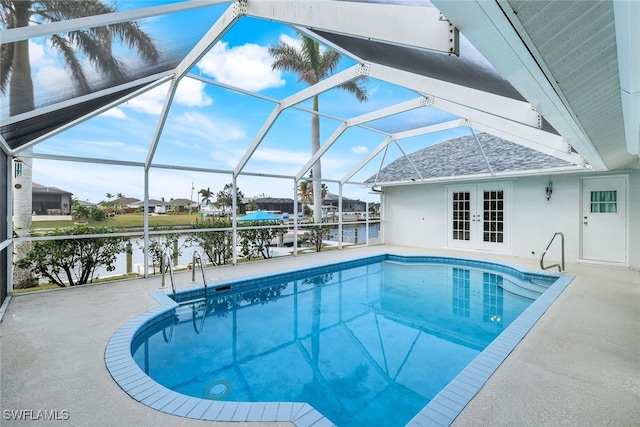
[(328, 63), (71, 60), (98, 50), (6, 14), (6, 63), (310, 52), (288, 58), (132, 34), (96, 43), (355, 87)]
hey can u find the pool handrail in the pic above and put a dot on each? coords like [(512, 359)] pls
[(167, 263), (194, 312), (561, 265), (197, 255)]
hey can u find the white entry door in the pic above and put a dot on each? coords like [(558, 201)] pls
[(479, 216), (604, 219)]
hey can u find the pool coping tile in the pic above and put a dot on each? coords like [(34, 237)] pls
[(441, 410)]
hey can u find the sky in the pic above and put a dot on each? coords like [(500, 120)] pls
[(211, 127)]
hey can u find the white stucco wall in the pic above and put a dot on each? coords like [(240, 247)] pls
[(534, 219), (634, 220), (416, 215)]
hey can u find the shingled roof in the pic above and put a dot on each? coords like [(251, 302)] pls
[(460, 157), (38, 188)]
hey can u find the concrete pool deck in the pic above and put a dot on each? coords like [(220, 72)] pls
[(578, 365)]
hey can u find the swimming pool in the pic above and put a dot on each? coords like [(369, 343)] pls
[(345, 341)]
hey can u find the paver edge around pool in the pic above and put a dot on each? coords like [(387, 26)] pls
[(440, 411)]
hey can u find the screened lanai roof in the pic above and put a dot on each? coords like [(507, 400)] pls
[(475, 156), (552, 76)]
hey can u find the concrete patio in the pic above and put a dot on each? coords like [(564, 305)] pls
[(579, 365)]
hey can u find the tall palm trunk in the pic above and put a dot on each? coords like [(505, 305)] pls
[(22, 100), (317, 167)]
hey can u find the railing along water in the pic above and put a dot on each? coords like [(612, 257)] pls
[(561, 265)]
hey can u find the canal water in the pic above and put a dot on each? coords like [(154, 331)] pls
[(352, 234)]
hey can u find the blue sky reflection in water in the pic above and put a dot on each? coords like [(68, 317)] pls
[(365, 346), (210, 126)]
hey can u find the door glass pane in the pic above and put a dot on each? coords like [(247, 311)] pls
[(493, 217), (492, 298), (604, 201), (461, 292), (461, 215)]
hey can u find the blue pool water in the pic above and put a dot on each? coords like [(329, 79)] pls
[(367, 343)]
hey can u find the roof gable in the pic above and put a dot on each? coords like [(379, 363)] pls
[(38, 188)]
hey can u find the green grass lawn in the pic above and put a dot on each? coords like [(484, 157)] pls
[(128, 221)]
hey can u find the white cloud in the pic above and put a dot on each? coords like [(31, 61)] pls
[(247, 66), (108, 144), (37, 56), (229, 158), (273, 155), (291, 41), (359, 149), (203, 128), (89, 181), (46, 74), (150, 102), (116, 113), (190, 93)]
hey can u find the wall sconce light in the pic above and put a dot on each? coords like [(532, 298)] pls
[(549, 189)]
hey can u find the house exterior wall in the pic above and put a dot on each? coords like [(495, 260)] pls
[(46, 203), (634, 220), (417, 215)]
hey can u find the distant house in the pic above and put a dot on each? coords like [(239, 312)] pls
[(180, 205), (125, 201), (50, 200), (348, 205), (138, 205), (163, 206), (273, 204), (86, 203)]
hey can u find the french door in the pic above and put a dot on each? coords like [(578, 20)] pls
[(478, 217)]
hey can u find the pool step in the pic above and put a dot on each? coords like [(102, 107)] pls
[(523, 289)]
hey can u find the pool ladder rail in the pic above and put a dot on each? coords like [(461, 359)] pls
[(561, 265), (197, 256), (167, 264)]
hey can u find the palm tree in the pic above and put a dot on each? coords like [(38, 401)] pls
[(305, 194), (324, 191), (120, 196), (312, 65), (15, 74), (79, 212), (109, 197), (252, 205), (206, 195)]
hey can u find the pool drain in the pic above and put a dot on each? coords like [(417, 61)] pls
[(217, 390)]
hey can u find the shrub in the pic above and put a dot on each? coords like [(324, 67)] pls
[(158, 243), (315, 235), (98, 214), (73, 261), (215, 244), (256, 241)]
